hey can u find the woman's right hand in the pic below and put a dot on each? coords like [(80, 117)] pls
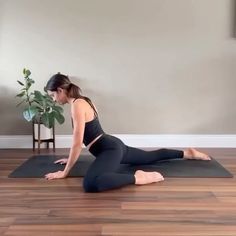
[(61, 161)]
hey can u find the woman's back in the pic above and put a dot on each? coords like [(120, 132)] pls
[(90, 109), (93, 127)]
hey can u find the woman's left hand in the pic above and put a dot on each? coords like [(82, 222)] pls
[(55, 175)]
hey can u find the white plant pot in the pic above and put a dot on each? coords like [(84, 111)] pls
[(45, 133)]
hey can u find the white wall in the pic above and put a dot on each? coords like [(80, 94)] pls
[(150, 66)]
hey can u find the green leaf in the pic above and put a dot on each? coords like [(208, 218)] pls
[(49, 99), (38, 96), (51, 103), (26, 73), (31, 81), (30, 112), (58, 109), (28, 85), (59, 117), (20, 94), (20, 83), (48, 120)]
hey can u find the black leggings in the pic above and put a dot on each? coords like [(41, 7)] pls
[(110, 152)]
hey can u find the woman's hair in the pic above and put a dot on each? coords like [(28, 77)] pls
[(73, 91), (62, 81)]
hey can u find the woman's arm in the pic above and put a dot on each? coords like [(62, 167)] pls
[(78, 116)]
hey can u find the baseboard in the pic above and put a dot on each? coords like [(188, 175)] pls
[(143, 141)]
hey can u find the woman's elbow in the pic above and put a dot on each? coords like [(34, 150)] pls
[(77, 144)]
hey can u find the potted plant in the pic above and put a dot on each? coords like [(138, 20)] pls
[(39, 108)]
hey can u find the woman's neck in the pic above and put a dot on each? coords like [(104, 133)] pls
[(70, 100)]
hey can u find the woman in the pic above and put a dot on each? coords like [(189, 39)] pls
[(108, 150)]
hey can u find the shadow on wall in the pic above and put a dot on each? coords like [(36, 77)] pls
[(11, 118), (233, 18), (108, 102), (112, 105)]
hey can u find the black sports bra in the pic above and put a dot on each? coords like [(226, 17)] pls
[(92, 128)]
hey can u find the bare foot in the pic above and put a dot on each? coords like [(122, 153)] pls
[(193, 154), (143, 177)]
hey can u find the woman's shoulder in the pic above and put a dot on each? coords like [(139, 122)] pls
[(84, 107), (79, 103), (83, 103)]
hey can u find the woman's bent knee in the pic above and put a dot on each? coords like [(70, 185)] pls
[(89, 186), (93, 185)]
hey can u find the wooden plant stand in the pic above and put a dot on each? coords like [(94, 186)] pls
[(39, 140)]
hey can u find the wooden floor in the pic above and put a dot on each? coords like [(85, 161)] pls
[(177, 206)]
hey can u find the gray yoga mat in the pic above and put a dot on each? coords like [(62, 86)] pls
[(39, 165)]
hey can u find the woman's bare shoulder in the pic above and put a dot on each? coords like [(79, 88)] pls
[(80, 103)]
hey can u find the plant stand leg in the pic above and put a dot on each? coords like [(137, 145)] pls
[(33, 137), (39, 141), (53, 141)]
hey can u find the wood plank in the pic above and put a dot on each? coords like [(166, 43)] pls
[(174, 207)]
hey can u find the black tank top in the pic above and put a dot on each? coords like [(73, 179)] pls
[(92, 128)]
